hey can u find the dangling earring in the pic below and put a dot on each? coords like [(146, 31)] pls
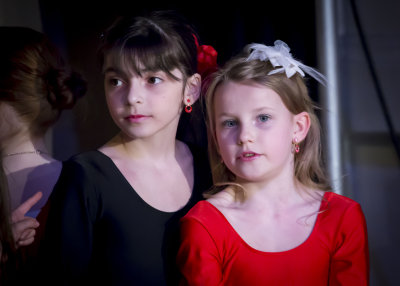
[(296, 146), (188, 107)]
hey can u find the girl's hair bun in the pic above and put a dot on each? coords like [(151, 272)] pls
[(64, 88)]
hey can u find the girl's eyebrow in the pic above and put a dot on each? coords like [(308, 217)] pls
[(112, 70), (260, 109), (266, 108), (224, 114), (115, 70)]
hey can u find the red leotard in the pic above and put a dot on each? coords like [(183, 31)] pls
[(335, 253)]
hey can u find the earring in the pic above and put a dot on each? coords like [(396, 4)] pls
[(296, 146), (188, 107)]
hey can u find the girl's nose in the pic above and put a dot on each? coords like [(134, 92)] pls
[(135, 94), (245, 135)]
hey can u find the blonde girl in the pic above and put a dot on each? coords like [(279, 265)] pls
[(270, 219)]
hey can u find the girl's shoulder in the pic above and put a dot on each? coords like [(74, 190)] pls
[(88, 162), (205, 218), (92, 156), (340, 208), (211, 211), (206, 214), (202, 210), (338, 201)]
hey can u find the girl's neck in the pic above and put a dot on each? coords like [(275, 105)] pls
[(274, 195), (275, 188), (23, 144), (24, 154), (150, 148), (274, 191)]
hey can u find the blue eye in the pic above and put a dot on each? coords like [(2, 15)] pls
[(229, 123), (263, 118)]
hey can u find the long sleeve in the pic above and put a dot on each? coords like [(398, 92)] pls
[(198, 257), (69, 231), (350, 262)]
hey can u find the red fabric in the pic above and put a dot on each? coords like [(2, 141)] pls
[(335, 253)]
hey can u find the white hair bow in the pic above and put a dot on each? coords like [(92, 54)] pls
[(279, 55)]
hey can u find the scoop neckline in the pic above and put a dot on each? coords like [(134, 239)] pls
[(323, 203), (146, 204)]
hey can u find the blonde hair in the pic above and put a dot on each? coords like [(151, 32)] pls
[(293, 92)]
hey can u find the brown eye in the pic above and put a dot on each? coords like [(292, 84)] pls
[(154, 80), (115, 82)]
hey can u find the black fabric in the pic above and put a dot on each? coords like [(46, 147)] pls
[(99, 230)]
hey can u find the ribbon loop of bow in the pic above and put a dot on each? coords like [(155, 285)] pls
[(282, 60)]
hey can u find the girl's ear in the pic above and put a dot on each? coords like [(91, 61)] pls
[(192, 89), (302, 124)]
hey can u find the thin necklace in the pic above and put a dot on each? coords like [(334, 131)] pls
[(36, 151)]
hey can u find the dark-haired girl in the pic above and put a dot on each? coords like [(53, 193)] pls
[(115, 210)]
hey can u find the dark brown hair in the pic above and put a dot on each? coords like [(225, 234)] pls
[(160, 41), (34, 79)]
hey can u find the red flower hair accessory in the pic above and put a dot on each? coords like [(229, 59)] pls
[(206, 58)]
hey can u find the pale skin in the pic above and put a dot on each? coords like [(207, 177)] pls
[(26, 173), (254, 130), (147, 109), (23, 227), (15, 137)]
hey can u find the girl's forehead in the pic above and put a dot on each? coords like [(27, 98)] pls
[(246, 94), (245, 89)]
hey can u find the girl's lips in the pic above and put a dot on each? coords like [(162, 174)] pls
[(248, 156), (136, 117)]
